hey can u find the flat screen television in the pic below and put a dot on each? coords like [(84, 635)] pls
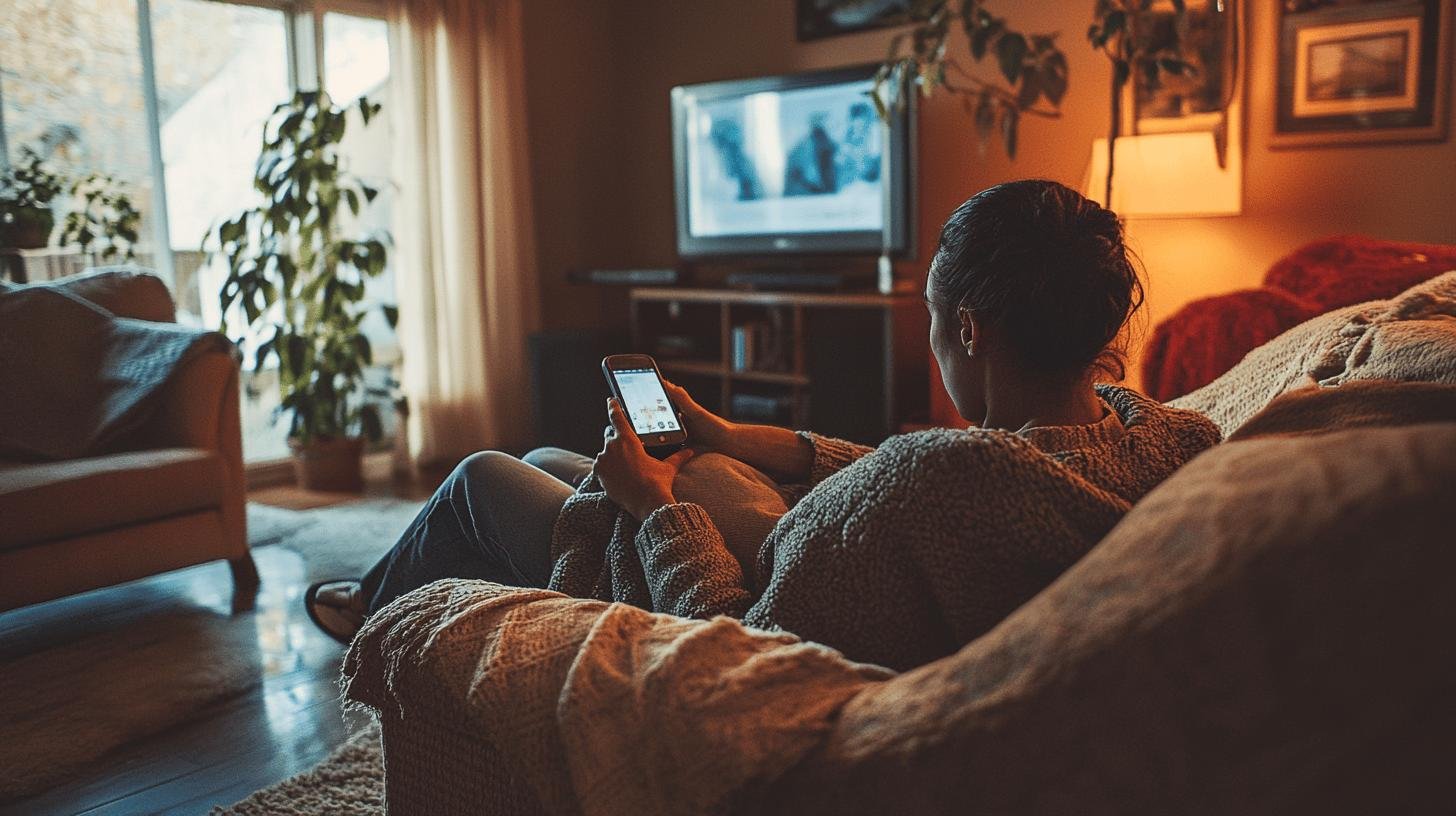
[(795, 164)]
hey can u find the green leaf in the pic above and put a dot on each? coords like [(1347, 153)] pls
[(1009, 120), (1010, 52), (297, 355), (1030, 89), (1114, 23), (391, 315), (985, 115), (369, 419), (1120, 73), (1054, 77)]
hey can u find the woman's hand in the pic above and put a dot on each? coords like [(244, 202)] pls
[(706, 431), (632, 478)]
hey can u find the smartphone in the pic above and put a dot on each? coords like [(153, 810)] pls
[(637, 385)]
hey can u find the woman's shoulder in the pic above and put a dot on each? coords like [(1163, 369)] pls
[(953, 446)]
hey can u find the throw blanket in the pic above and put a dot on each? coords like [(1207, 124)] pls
[(603, 708), (75, 379), (895, 556)]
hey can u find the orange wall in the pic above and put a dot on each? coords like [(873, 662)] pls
[(602, 137)]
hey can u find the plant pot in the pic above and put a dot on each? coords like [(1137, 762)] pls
[(31, 228), (329, 464)]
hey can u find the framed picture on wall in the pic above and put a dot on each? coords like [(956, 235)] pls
[(816, 19), (1197, 99), (1362, 72)]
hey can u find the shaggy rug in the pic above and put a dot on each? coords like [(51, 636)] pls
[(349, 783), (73, 702)]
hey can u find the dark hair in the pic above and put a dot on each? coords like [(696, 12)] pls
[(1047, 267)]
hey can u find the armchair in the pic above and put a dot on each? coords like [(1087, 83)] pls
[(172, 496)]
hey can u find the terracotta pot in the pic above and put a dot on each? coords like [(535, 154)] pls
[(31, 228), (329, 464)]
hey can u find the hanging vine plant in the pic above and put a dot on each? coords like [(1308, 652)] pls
[(1031, 75)]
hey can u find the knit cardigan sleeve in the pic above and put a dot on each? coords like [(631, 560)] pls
[(690, 571)]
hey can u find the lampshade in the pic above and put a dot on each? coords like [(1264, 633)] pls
[(1168, 175)]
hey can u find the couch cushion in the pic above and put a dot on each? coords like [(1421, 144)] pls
[(58, 499), (1410, 338)]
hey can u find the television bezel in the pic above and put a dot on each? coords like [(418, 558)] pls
[(896, 240)]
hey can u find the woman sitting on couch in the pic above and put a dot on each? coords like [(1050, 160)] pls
[(896, 555)]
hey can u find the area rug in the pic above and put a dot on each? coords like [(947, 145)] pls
[(349, 783), (72, 703)]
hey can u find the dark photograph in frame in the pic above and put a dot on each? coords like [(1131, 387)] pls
[(817, 19), (1161, 102), (1356, 73)]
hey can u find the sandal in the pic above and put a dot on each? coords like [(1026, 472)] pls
[(338, 623)]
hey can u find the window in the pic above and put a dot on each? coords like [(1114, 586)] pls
[(71, 90), (73, 86)]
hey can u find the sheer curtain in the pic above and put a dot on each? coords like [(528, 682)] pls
[(464, 255)]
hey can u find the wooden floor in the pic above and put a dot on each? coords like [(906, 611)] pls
[(285, 726)]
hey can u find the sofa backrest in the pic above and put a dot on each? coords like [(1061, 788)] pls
[(125, 291), (1267, 632)]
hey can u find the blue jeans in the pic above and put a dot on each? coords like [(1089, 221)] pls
[(490, 519)]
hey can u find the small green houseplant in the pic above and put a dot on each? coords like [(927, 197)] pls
[(105, 225), (299, 284), (26, 191)]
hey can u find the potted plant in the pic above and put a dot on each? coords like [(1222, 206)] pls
[(26, 190), (298, 284), (105, 225)]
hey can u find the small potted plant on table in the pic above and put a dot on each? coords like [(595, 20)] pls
[(26, 191), (298, 284)]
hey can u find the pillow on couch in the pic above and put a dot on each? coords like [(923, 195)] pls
[(743, 502), (1411, 338)]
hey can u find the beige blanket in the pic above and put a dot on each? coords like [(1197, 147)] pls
[(1409, 338), (602, 707)]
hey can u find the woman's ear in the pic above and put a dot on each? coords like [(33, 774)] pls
[(969, 335)]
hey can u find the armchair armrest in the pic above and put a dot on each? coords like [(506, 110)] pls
[(200, 409)]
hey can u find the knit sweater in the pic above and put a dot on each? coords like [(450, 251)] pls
[(896, 555)]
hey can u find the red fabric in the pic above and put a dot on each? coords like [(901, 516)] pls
[(1344, 270), (1208, 337)]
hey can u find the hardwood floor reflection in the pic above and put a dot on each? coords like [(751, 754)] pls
[(285, 725)]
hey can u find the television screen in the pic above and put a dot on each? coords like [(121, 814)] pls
[(799, 163)]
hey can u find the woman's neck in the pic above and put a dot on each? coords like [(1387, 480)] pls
[(1016, 406)]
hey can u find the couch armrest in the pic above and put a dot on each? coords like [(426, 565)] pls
[(200, 409)]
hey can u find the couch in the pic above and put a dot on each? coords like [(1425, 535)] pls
[(1207, 337), (1268, 631), (170, 495)]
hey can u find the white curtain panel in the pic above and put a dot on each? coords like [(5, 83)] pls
[(465, 254)]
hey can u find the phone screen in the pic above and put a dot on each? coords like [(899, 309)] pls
[(644, 400)]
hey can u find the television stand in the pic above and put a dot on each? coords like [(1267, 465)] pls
[(798, 280), (851, 365)]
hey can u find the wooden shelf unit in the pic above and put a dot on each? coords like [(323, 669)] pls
[(850, 365)]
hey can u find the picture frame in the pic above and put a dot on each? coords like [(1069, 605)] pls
[(817, 19), (1212, 43), (1362, 73)]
